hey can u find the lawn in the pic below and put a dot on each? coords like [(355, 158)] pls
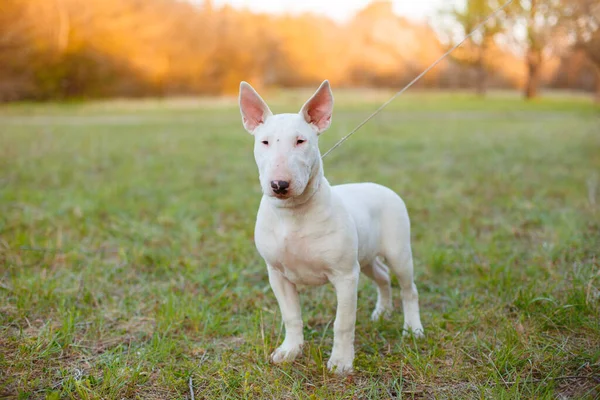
[(128, 269)]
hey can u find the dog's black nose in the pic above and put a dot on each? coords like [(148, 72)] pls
[(280, 184), (280, 187)]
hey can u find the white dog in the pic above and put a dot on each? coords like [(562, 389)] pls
[(310, 233)]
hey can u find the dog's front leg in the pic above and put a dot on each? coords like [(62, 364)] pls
[(289, 304), (342, 354)]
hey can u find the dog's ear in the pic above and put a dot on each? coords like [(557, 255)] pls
[(254, 110), (318, 109)]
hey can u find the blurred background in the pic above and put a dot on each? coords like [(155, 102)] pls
[(127, 262), (74, 49)]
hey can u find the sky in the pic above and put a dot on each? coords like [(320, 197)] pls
[(419, 10)]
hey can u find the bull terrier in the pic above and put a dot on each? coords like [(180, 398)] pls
[(310, 233)]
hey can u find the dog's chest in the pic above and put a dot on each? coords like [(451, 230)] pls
[(296, 254)]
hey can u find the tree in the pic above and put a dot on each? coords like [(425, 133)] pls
[(582, 17), (540, 17), (383, 49), (475, 53)]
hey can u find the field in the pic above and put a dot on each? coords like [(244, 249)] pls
[(128, 269)]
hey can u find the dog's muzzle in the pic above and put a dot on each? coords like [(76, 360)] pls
[(280, 187)]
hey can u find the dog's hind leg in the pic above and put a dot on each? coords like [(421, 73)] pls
[(401, 262), (380, 274)]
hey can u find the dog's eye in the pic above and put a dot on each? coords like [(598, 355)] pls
[(300, 141), (265, 142)]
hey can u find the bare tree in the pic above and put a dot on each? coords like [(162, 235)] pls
[(540, 18)]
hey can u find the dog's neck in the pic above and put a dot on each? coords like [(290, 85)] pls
[(317, 191)]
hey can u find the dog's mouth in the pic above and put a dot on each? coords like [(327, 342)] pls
[(282, 195)]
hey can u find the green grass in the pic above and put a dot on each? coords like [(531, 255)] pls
[(149, 275)]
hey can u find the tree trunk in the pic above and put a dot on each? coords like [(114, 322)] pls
[(534, 61), (534, 54)]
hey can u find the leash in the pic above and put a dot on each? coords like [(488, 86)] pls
[(436, 62)]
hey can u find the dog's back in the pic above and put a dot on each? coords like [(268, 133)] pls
[(380, 217)]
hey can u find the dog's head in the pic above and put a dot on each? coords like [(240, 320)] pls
[(286, 146)]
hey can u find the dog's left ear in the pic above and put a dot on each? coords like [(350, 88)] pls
[(318, 109)]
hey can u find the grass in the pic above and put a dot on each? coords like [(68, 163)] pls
[(127, 264)]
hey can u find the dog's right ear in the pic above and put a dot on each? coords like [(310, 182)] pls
[(253, 108)]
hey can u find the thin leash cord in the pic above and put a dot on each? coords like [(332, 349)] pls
[(342, 140)]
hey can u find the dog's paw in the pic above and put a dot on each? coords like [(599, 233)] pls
[(340, 365), (380, 312), (286, 353), (416, 331)]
